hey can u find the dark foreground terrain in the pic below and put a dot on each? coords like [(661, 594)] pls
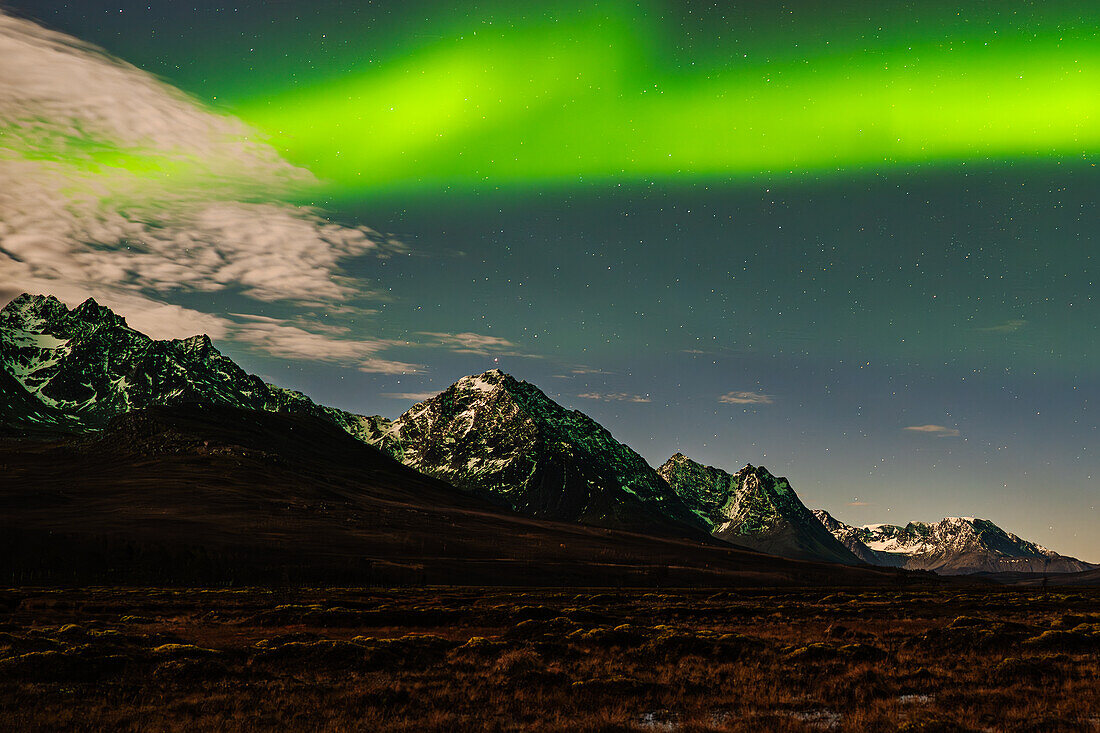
[(215, 496), (460, 660)]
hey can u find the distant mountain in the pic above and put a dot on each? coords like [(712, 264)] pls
[(850, 537), (754, 509), (79, 368), (506, 440), (953, 546)]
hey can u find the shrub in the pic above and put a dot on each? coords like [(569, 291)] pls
[(518, 662), (1067, 640)]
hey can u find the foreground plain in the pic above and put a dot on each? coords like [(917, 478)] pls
[(956, 659)]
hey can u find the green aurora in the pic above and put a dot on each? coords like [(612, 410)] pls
[(600, 95)]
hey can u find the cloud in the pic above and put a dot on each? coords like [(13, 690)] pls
[(614, 397), (113, 178), (1010, 326), (582, 371), (414, 396), (473, 343), (746, 398), (291, 342), (938, 430), (117, 186)]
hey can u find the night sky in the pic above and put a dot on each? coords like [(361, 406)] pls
[(856, 244)]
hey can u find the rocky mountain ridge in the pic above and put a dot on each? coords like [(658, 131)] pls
[(753, 508), (79, 368)]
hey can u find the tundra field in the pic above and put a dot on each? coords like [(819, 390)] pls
[(431, 659)]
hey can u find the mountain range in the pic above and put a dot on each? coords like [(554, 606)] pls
[(498, 439), (955, 545)]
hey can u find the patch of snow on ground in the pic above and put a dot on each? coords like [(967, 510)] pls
[(819, 718), (663, 720), (915, 699)]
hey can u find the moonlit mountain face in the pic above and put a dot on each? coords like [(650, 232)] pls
[(854, 242), (506, 440), (754, 509), (953, 546), (78, 368)]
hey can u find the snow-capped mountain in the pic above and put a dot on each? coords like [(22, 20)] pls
[(953, 546), (753, 508), (506, 440), (80, 367)]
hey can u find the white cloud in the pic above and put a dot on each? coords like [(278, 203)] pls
[(117, 186), (472, 343), (291, 342), (1009, 326), (939, 431), (614, 397), (412, 396), (746, 398)]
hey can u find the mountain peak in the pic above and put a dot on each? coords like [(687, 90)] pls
[(199, 346), (753, 508), (486, 381), (507, 441), (28, 308), (24, 299), (92, 312)]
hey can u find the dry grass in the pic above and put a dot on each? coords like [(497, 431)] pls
[(498, 660)]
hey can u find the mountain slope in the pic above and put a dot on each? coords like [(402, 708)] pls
[(83, 366), (18, 406), (754, 509), (507, 441), (953, 546), (850, 537), (213, 494)]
